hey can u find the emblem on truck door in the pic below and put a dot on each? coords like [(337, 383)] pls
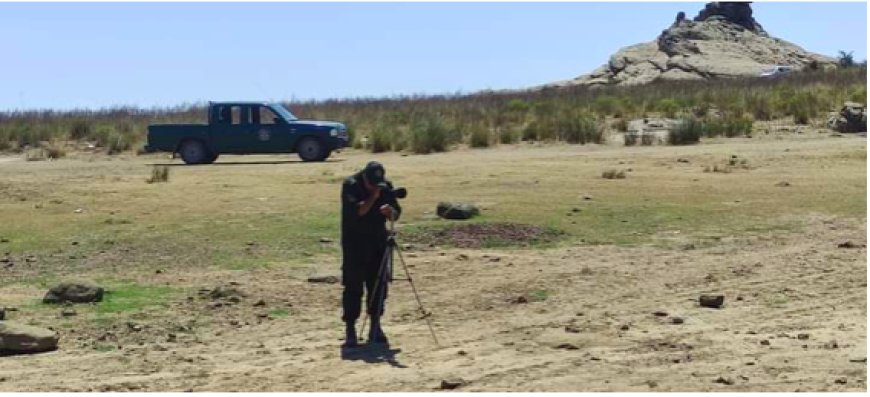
[(263, 135)]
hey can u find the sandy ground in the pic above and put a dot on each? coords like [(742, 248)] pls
[(593, 318)]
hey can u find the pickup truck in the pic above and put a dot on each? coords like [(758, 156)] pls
[(247, 128)]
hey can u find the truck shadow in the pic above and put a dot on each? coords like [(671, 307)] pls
[(218, 163)]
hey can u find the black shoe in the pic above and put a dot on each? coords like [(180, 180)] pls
[(350, 336), (376, 334)]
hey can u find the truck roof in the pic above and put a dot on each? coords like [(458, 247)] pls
[(238, 103)]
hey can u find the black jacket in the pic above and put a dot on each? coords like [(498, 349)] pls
[(368, 228)]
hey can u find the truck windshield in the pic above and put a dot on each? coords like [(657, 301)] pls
[(283, 112)]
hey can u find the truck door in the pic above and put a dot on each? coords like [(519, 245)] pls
[(230, 128), (271, 133)]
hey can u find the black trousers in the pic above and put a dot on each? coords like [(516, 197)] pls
[(359, 272)]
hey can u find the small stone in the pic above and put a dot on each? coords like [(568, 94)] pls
[(660, 313), (677, 320), (495, 259), (325, 240), (858, 359), (520, 299), (803, 336), (765, 342), (567, 346), (587, 198), (323, 279), (4, 240), (849, 244), (575, 209), (135, 327), (68, 312), (462, 353), (840, 381), (783, 184), (624, 327), (831, 345), (260, 302), (2, 313), (452, 383), (158, 271), (572, 329), (682, 160), (724, 381), (711, 301), (462, 257)]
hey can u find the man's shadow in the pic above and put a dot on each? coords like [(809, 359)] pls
[(372, 353)]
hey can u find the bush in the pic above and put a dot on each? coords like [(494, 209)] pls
[(728, 126), (117, 143), (647, 139), (621, 125), (580, 129), (429, 134), (480, 136), (80, 129), (668, 107), (613, 174), (686, 132), (159, 173), (54, 151), (508, 135), (381, 138), (630, 139)]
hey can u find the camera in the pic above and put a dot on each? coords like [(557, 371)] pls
[(389, 193)]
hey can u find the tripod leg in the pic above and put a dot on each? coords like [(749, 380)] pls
[(416, 295)]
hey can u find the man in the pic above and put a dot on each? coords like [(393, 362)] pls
[(365, 209)]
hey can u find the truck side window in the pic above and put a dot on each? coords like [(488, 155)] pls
[(237, 115), (224, 116), (265, 115)]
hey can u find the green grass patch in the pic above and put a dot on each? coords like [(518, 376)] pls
[(132, 297), (279, 312)]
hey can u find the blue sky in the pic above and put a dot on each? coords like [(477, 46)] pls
[(163, 54)]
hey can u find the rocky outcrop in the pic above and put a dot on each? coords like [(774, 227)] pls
[(78, 291), (724, 40)]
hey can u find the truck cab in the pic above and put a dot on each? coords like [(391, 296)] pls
[(248, 128)]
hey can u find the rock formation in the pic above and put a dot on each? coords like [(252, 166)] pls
[(724, 40)]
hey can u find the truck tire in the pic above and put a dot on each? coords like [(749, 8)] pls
[(310, 149), (194, 152)]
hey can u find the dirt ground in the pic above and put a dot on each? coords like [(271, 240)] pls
[(572, 316)]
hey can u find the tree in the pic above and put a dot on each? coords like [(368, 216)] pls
[(845, 59)]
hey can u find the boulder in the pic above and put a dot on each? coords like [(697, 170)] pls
[(724, 40), (457, 210), (24, 339), (81, 291)]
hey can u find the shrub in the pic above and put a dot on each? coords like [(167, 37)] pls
[(613, 174), (668, 107), (580, 129), (117, 143), (647, 139), (80, 129), (686, 132), (381, 138), (54, 151), (159, 173), (508, 135), (429, 134), (630, 139), (480, 136)]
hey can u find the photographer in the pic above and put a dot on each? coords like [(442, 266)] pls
[(367, 203)]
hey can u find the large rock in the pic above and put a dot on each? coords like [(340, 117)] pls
[(22, 339), (457, 210), (80, 291), (724, 40)]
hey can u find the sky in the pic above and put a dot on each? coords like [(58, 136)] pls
[(95, 55)]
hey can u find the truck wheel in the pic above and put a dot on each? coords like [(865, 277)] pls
[(310, 149), (193, 152)]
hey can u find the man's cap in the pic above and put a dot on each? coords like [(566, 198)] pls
[(374, 172)]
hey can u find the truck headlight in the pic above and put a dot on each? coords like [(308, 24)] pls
[(333, 132)]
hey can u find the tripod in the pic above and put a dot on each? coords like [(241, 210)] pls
[(385, 276)]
